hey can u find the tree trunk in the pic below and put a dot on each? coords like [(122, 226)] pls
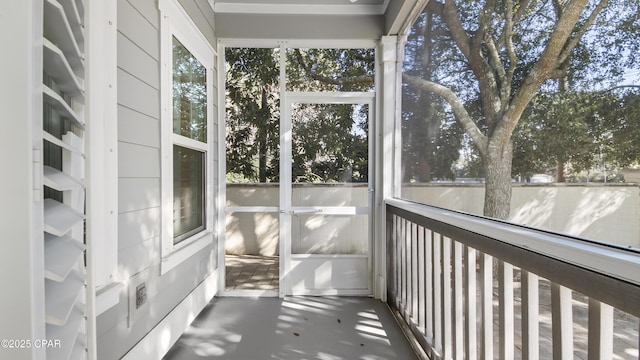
[(560, 176), (497, 168)]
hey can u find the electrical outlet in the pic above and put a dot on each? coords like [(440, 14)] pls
[(141, 295)]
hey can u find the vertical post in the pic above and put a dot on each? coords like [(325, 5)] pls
[(384, 150), (414, 272), (505, 295), (390, 254), (403, 262), (530, 322), (285, 177), (101, 105), (486, 288), (437, 293), (422, 303), (561, 322), (446, 297), (21, 214), (429, 315), (600, 331), (458, 296), (470, 303)]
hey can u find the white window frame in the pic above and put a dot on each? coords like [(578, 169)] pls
[(175, 22)]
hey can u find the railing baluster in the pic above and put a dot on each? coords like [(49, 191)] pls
[(422, 303), (505, 301), (414, 272), (561, 322), (437, 293), (530, 319), (446, 298), (486, 286), (403, 269), (429, 239), (470, 303), (408, 274), (398, 262), (458, 339), (600, 331)]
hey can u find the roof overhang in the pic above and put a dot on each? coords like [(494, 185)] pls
[(318, 19)]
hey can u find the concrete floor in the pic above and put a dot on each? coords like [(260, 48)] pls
[(295, 328)]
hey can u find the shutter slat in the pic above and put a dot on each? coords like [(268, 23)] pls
[(54, 140), (58, 180), (61, 254), (52, 98), (58, 68), (58, 30), (68, 335), (60, 218), (61, 298)]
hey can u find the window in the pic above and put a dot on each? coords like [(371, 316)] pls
[(187, 142)]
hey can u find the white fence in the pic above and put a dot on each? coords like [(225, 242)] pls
[(608, 213)]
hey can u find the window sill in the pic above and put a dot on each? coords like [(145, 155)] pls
[(182, 253)]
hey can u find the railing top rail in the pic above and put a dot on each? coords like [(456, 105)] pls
[(610, 260)]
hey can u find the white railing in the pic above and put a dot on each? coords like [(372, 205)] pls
[(474, 288)]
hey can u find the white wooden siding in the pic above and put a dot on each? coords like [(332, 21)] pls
[(137, 128), (139, 211)]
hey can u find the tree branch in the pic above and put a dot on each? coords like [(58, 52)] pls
[(458, 33), (511, 51), (573, 42), (548, 61), (479, 139), (350, 80)]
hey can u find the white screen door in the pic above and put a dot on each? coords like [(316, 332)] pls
[(326, 194)]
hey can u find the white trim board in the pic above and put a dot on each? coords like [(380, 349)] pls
[(155, 345), (299, 8)]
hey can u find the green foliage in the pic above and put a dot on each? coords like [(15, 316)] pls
[(330, 142), (584, 129)]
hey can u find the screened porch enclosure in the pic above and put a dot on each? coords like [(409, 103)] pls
[(242, 179), (298, 186)]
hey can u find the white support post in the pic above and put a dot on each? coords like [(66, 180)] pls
[(414, 272), (429, 286), (438, 318), (447, 343), (470, 303), (422, 303), (458, 297), (561, 322), (486, 288), (505, 295), (386, 98), (600, 331), (530, 316), (21, 215)]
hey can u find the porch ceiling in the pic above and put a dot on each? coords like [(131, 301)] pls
[(317, 19)]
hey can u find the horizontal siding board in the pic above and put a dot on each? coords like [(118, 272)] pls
[(115, 337), (200, 19), (137, 128), (138, 194), (134, 60), (136, 161), (137, 95), (149, 10), (139, 257), (136, 27), (137, 226)]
